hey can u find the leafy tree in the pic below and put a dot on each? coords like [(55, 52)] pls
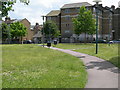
[(5, 32), (7, 6), (50, 28), (18, 30), (84, 23)]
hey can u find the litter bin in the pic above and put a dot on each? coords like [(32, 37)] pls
[(55, 42), (48, 44)]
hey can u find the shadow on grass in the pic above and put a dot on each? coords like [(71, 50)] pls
[(104, 65), (80, 56)]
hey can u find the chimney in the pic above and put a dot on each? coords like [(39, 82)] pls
[(100, 5), (37, 24), (113, 7), (7, 19)]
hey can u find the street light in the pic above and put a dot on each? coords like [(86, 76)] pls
[(43, 31), (96, 1), (49, 40)]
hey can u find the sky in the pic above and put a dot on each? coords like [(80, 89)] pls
[(38, 8)]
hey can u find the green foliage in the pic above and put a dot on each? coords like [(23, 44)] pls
[(5, 31), (7, 6), (50, 28), (84, 23), (18, 30)]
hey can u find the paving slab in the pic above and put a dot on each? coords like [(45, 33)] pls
[(101, 73)]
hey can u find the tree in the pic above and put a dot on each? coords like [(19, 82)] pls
[(6, 6), (84, 23), (5, 32), (18, 30), (51, 29)]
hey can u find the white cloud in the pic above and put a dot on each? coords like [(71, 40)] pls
[(37, 8), (45, 3)]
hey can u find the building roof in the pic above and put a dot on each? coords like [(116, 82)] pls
[(117, 11), (73, 5), (19, 20), (38, 34), (53, 13)]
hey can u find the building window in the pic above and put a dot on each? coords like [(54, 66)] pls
[(48, 18), (99, 12), (67, 31), (67, 25), (87, 8), (77, 9), (67, 18), (67, 10), (94, 10)]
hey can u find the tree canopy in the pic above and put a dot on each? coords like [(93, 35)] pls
[(5, 31), (50, 28), (17, 29), (7, 5), (84, 23)]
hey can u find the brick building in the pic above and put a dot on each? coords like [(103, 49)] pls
[(26, 23), (37, 34), (55, 16), (116, 24), (69, 11)]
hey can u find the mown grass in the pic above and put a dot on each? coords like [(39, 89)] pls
[(32, 66), (0, 67), (105, 51)]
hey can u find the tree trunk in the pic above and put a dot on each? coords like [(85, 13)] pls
[(85, 38), (21, 40), (92, 39)]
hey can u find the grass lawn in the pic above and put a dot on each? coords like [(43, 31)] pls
[(0, 67), (105, 51), (31, 66)]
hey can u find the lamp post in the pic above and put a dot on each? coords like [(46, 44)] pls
[(96, 1), (49, 36), (43, 31), (9, 37)]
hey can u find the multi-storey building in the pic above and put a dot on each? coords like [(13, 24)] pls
[(69, 11), (107, 26), (116, 24), (55, 16)]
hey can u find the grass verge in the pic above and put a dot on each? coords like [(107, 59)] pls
[(109, 53)]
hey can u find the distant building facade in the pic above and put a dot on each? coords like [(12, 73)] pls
[(69, 11), (54, 16), (37, 37), (116, 24), (25, 22)]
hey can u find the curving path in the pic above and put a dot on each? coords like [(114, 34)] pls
[(101, 74)]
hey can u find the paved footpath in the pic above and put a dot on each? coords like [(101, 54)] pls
[(101, 74)]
